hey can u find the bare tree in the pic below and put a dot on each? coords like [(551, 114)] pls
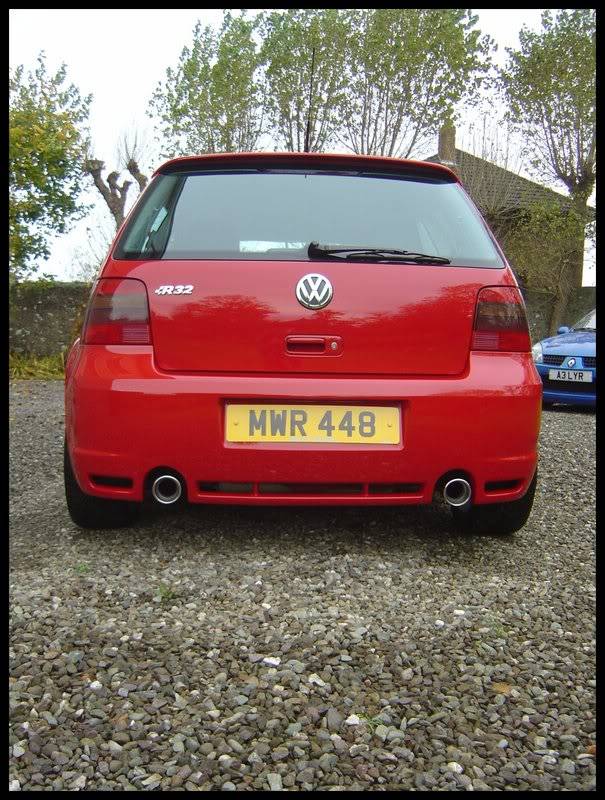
[(111, 191), (132, 149), (87, 258), (492, 173), (115, 195)]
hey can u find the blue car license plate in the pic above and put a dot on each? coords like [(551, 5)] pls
[(574, 375)]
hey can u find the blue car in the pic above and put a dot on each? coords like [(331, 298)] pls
[(567, 363)]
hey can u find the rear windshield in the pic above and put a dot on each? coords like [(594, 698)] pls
[(273, 214)]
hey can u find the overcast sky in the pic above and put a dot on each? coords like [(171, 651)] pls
[(119, 56)]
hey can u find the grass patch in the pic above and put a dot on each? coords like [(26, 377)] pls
[(370, 722), (496, 624), (165, 593), (44, 368), (82, 569)]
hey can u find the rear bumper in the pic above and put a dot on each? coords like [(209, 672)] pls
[(125, 418)]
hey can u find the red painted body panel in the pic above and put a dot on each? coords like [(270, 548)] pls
[(393, 318), (403, 335)]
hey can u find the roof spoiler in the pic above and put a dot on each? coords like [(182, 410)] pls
[(337, 161)]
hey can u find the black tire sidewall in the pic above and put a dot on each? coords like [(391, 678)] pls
[(500, 519), (88, 511)]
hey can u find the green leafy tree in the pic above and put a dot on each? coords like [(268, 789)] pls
[(213, 100), (304, 54), (406, 71), (47, 142), (541, 245), (550, 87)]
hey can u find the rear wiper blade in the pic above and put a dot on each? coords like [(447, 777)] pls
[(316, 250)]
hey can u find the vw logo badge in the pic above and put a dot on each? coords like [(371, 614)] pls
[(314, 291), (571, 362)]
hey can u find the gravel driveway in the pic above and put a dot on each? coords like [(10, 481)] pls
[(309, 648)]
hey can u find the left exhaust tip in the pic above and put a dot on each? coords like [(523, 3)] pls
[(166, 489)]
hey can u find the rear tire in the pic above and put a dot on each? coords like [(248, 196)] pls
[(497, 519), (88, 511)]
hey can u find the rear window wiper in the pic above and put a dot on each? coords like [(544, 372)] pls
[(316, 250)]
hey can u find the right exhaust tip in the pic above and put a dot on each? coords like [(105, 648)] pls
[(166, 489), (457, 492)]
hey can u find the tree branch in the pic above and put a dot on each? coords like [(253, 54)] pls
[(113, 194), (136, 173)]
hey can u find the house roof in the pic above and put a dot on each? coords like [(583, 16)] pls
[(495, 189)]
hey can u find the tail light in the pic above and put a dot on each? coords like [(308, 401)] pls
[(118, 313), (500, 321)]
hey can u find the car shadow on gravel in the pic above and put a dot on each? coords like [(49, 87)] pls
[(301, 532), (583, 411)]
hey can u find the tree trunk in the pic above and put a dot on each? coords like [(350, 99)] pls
[(558, 313), (136, 173), (113, 194), (579, 201), (111, 191)]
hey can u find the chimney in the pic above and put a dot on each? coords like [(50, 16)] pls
[(447, 145)]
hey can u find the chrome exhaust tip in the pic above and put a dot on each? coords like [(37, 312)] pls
[(166, 489), (457, 492)]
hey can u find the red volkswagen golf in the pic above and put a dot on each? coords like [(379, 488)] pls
[(303, 329)]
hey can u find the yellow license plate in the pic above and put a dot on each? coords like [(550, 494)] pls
[(304, 423)]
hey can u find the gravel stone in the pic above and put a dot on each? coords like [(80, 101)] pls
[(333, 719), (245, 649), (275, 782), (382, 732), (327, 761)]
